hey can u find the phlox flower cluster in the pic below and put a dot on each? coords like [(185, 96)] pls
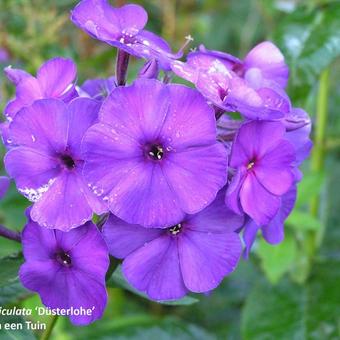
[(183, 177)]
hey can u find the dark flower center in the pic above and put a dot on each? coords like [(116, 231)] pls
[(250, 165), (68, 161), (174, 230), (64, 259), (156, 152)]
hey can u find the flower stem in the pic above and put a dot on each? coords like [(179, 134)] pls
[(122, 63), (47, 333), (318, 154), (10, 234)]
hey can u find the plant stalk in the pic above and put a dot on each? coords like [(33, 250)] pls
[(47, 333), (122, 63), (319, 150), (10, 234)]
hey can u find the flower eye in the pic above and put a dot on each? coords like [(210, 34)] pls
[(156, 152)]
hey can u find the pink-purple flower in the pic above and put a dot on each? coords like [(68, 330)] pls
[(122, 27), (97, 88), (193, 255), (153, 157), (273, 232), (55, 79), (253, 87), (263, 161), (46, 163), (67, 270)]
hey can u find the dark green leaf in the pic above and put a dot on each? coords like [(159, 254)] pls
[(310, 40), (309, 187), (11, 289), (274, 312), (300, 220), (277, 259)]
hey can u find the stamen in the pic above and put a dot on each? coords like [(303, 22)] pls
[(156, 152), (64, 259), (174, 230), (68, 161), (250, 165)]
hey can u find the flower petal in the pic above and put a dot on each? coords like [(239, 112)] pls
[(269, 59), (274, 170), (215, 218), (137, 110), (31, 170), (232, 199), (155, 270), (27, 91), (253, 140), (42, 126), (190, 120), (249, 235), (144, 196), (274, 231), (124, 238), (63, 206), (207, 258), (257, 202), (15, 75), (83, 113), (39, 244), (56, 77), (194, 187)]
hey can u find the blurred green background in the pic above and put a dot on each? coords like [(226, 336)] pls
[(291, 291)]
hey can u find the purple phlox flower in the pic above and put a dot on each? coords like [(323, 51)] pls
[(299, 126), (98, 88), (122, 27), (201, 57), (154, 156), (265, 63), (46, 163), (228, 91), (4, 185), (15, 75), (193, 255), (273, 232), (66, 269), (55, 79), (264, 163)]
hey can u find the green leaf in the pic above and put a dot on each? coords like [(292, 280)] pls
[(11, 289), (290, 311), (300, 220), (273, 312), (276, 260), (331, 240), (117, 279), (141, 327), (309, 188), (310, 41)]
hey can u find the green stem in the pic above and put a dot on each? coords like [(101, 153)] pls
[(47, 333), (318, 154)]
